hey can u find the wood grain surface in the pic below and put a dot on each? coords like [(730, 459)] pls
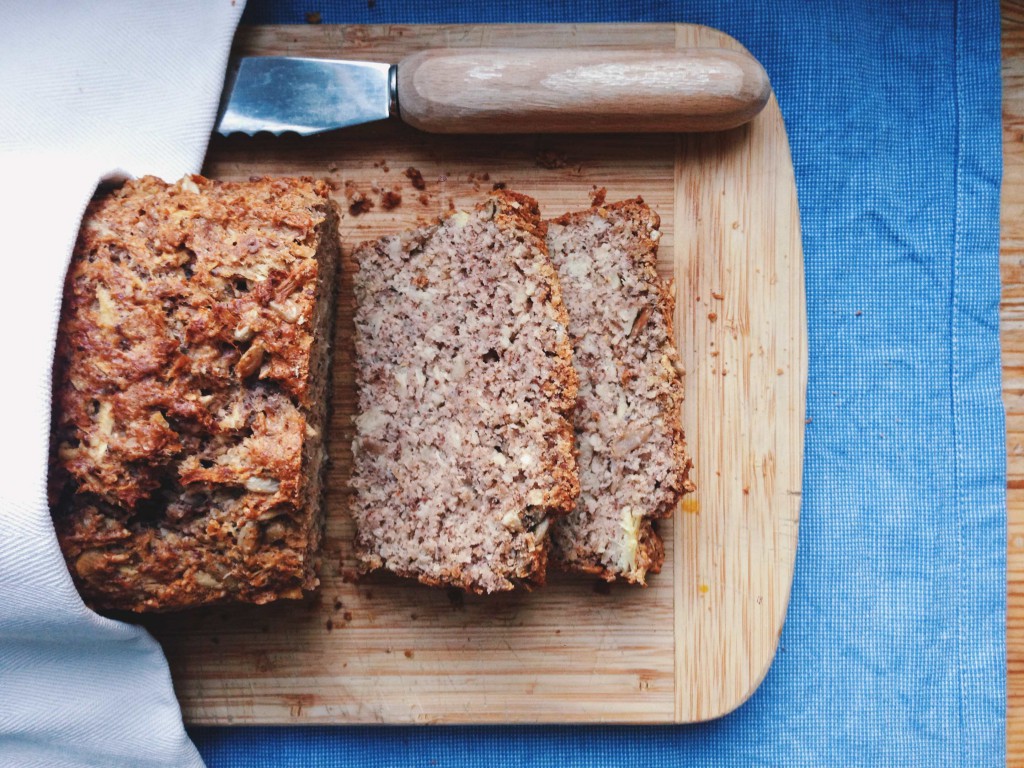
[(1012, 335), (695, 643), (583, 90)]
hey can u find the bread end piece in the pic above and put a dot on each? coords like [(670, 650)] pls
[(190, 392)]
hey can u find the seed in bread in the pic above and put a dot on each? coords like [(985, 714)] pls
[(633, 464), (190, 390), (463, 449)]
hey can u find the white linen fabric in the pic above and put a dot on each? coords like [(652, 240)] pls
[(88, 92)]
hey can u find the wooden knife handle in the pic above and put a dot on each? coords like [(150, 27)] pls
[(498, 90)]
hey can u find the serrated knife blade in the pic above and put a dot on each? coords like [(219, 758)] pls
[(279, 94)]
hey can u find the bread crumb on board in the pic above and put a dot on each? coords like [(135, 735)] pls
[(415, 178), (551, 159)]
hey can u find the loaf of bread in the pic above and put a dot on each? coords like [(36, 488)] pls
[(633, 463), (464, 446), (190, 390)]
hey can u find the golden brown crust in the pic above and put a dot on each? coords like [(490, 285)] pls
[(184, 400), (650, 557)]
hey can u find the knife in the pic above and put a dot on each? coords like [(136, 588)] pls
[(496, 90)]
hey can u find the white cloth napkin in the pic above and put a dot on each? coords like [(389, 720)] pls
[(88, 91)]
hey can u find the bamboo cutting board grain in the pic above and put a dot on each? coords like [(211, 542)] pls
[(696, 643)]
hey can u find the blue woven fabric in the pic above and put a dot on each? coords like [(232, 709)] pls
[(893, 653)]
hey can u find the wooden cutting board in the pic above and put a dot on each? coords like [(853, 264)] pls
[(694, 644)]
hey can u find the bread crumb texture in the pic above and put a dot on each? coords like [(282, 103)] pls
[(633, 464), (463, 448), (189, 390)]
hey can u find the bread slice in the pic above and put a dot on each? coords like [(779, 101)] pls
[(464, 442), (632, 457), (190, 390)]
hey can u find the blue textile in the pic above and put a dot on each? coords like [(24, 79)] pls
[(893, 653)]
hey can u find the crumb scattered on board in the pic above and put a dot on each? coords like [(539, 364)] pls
[(415, 177), (550, 159), (359, 204), (390, 199)]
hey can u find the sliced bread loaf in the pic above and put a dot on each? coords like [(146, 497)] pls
[(633, 463), (464, 445)]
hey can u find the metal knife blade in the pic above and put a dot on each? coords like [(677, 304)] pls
[(305, 96), (496, 90)]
